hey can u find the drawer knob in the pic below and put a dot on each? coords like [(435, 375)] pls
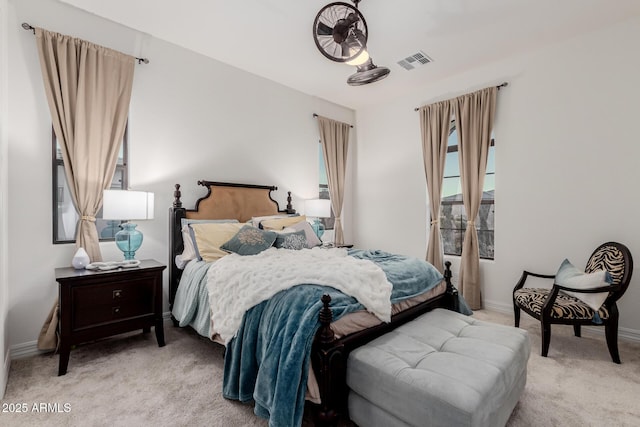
[(116, 310), (117, 293)]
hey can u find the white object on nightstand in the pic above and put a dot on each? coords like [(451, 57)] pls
[(80, 259)]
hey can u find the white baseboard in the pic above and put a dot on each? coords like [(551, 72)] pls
[(498, 306), (624, 334), (27, 349), (627, 334), (5, 374), (30, 348)]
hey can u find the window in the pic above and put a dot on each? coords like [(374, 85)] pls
[(453, 219), (65, 216), (323, 190)]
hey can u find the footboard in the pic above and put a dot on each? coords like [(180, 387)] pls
[(329, 355)]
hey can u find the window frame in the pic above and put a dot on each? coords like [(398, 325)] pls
[(55, 193), (454, 149), (323, 190)]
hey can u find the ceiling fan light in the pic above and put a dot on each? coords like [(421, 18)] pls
[(355, 48), (360, 59)]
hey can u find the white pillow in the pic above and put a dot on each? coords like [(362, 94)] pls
[(189, 251), (572, 277), (187, 221)]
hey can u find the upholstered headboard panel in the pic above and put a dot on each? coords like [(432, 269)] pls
[(233, 202), (223, 201)]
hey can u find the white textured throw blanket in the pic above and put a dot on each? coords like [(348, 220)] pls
[(237, 283)]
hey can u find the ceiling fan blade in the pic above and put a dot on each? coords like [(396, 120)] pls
[(323, 29)]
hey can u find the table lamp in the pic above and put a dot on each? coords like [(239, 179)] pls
[(317, 208), (127, 205)]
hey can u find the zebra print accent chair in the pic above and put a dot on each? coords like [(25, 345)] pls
[(553, 306)]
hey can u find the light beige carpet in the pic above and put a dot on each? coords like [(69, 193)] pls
[(129, 381)]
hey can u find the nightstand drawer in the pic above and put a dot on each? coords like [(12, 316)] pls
[(96, 304)]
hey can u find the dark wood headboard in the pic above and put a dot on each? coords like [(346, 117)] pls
[(223, 201)]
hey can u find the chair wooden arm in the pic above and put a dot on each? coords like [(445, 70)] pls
[(526, 274), (545, 311), (553, 294)]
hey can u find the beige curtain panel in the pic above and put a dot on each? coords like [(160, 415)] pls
[(334, 136), (474, 114), (48, 338), (88, 90), (435, 123)]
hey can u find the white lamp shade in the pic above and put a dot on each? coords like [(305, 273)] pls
[(320, 208), (127, 205)]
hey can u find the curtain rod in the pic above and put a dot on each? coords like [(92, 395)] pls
[(29, 27), (505, 84), (315, 115)]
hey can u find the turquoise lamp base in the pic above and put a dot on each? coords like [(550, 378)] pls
[(318, 228), (129, 240)]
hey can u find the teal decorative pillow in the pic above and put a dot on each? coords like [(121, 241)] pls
[(296, 240), (250, 241), (572, 277), (312, 239)]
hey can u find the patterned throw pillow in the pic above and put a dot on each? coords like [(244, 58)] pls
[(250, 241), (296, 240), (312, 239)]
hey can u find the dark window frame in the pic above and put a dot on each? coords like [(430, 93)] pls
[(323, 193), (463, 227), (59, 162)]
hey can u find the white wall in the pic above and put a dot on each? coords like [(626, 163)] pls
[(567, 162), (4, 285), (191, 118)]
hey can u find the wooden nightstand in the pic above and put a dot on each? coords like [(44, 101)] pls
[(98, 304)]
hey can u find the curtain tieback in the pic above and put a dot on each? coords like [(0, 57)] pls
[(471, 224), (435, 221), (88, 218)]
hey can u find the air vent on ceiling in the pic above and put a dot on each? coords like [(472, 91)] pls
[(415, 60)]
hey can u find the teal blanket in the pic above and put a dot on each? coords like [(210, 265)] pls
[(409, 276), (268, 360)]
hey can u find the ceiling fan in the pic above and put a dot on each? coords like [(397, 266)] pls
[(340, 33)]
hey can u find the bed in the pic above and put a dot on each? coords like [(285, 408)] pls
[(332, 338)]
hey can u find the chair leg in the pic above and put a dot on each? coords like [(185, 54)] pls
[(611, 332), (576, 331), (516, 314), (545, 330)]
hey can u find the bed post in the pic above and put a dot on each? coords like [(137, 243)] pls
[(176, 213), (329, 364), (452, 292), (289, 208)]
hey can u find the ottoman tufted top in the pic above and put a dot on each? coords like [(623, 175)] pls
[(443, 367)]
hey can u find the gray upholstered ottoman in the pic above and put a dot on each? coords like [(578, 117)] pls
[(441, 369)]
